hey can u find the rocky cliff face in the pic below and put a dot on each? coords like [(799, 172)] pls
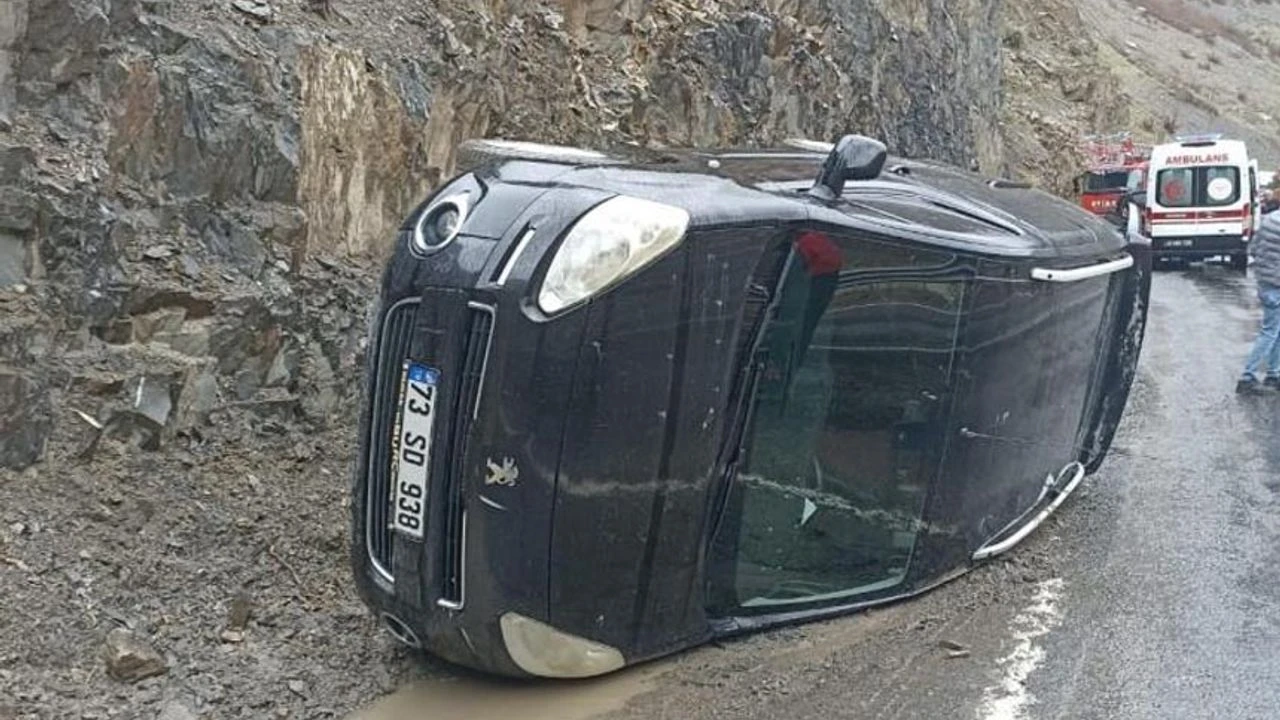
[(1057, 86), (184, 181)]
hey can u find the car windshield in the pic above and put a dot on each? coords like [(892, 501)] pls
[(1104, 181)]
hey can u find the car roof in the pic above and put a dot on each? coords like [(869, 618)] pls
[(912, 200)]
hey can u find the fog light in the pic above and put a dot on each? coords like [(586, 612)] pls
[(439, 224), (539, 649)]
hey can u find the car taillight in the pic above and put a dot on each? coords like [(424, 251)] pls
[(1146, 221)]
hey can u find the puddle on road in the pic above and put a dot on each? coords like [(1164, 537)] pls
[(477, 698)]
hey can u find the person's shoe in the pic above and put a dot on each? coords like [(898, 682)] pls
[(1272, 383), (1249, 386)]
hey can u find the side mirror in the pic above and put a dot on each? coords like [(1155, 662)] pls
[(1137, 197), (854, 157)]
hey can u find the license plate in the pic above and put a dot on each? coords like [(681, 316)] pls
[(1178, 243), (412, 445)]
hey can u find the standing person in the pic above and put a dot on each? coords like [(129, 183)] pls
[(1265, 250)]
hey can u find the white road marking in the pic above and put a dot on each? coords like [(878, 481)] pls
[(1008, 699)]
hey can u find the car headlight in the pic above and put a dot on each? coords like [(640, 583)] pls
[(439, 224), (541, 650), (613, 240)]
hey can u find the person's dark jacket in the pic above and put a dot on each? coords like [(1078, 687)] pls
[(1265, 249)]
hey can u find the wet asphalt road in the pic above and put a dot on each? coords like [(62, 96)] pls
[(1171, 604), (1153, 593)]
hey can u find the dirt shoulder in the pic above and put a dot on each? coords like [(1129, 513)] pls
[(225, 555)]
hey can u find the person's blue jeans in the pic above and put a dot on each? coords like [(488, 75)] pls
[(1267, 347)]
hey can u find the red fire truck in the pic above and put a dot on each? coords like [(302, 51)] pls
[(1116, 164)]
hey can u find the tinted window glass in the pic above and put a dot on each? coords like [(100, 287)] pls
[(1198, 187), (1174, 187), (837, 455), (1096, 182), (1221, 185)]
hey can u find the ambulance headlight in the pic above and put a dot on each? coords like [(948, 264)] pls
[(541, 650), (611, 242)]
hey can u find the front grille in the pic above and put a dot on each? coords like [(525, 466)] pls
[(470, 384), (393, 344)]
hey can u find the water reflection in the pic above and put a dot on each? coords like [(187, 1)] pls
[(1218, 282)]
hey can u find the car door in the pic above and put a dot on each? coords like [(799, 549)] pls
[(843, 440), (1255, 199)]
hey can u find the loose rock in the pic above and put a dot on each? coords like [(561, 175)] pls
[(130, 659), (238, 615), (257, 10)]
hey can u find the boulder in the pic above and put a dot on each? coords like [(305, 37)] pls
[(153, 398), (25, 419), (197, 398), (320, 393), (166, 321)]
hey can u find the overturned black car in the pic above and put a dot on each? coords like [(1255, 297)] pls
[(617, 406)]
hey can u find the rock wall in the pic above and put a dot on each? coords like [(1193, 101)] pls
[(1057, 87), (195, 195)]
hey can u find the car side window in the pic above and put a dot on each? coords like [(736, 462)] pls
[(838, 459)]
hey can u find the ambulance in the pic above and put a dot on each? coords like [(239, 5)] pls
[(1203, 199)]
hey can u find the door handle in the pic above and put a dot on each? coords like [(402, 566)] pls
[(1082, 273)]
